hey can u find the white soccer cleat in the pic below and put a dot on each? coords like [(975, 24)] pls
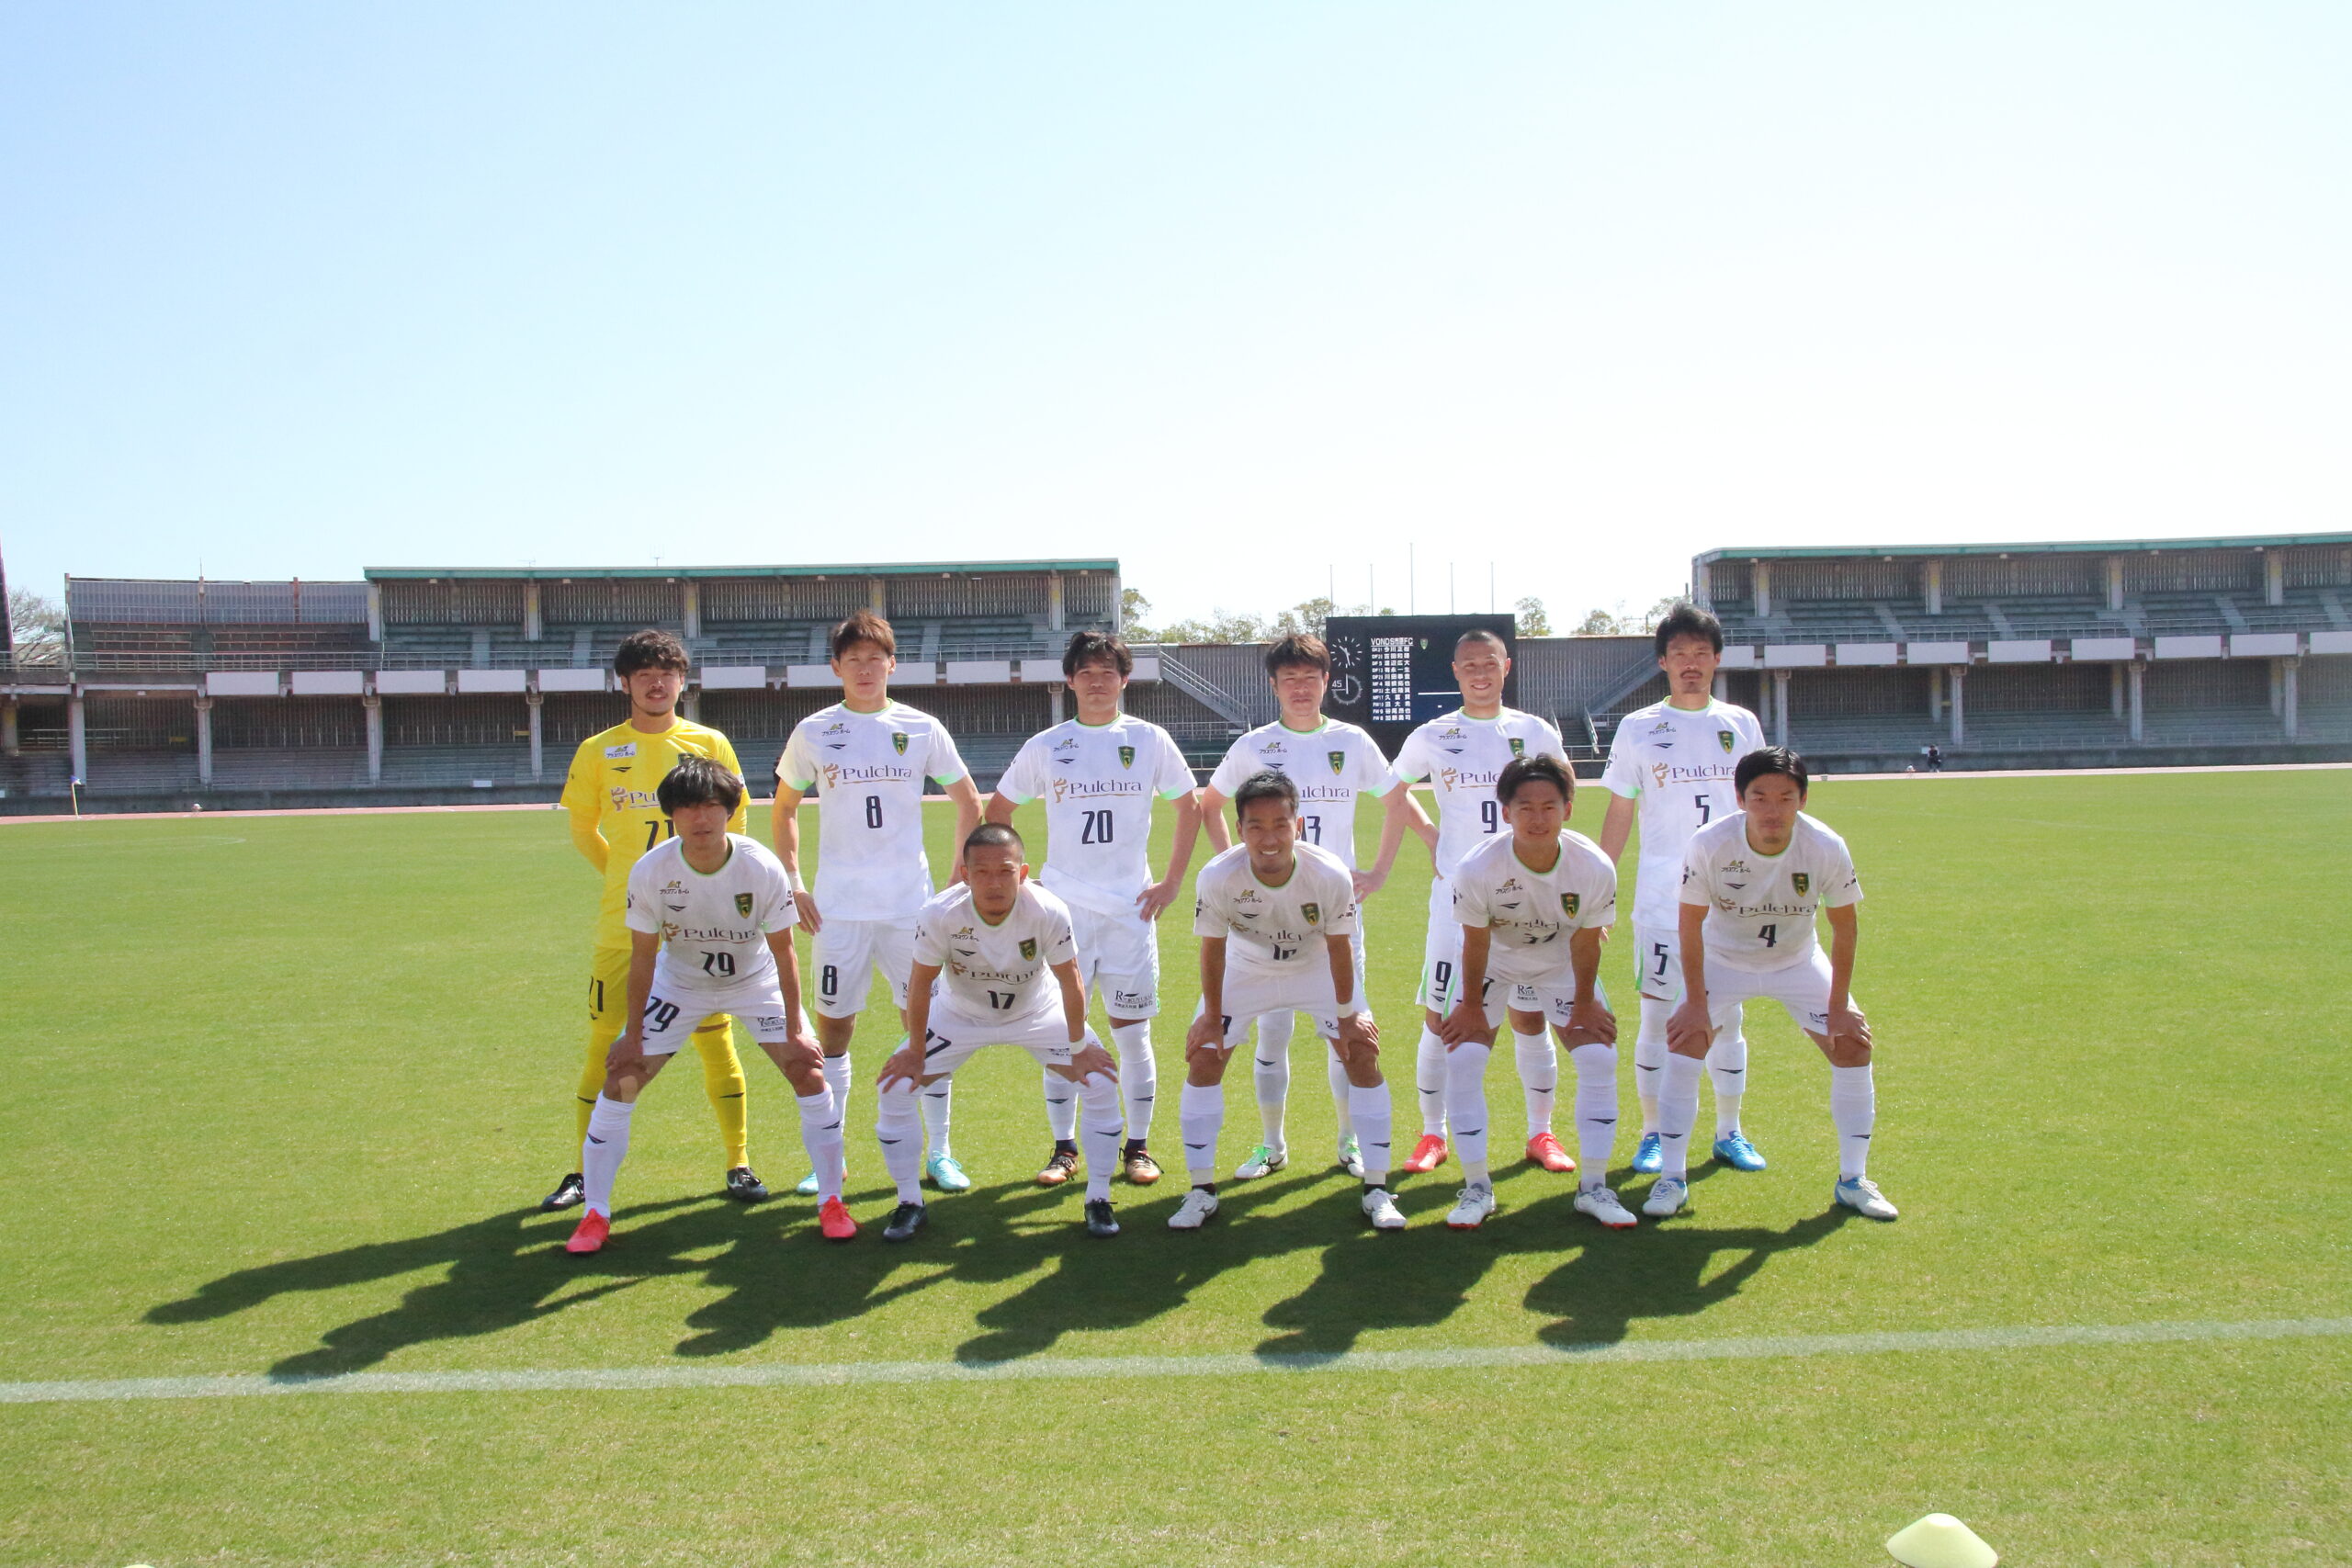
[(1194, 1212), (1602, 1205), (1861, 1195), (1265, 1160), (1666, 1198), (1471, 1207), (1351, 1157), (1381, 1209)]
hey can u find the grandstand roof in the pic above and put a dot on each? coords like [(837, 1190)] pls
[(2033, 547), (593, 573)]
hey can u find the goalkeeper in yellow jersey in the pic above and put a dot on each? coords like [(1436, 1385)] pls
[(615, 818)]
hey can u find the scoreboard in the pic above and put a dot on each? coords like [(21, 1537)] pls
[(1390, 673)]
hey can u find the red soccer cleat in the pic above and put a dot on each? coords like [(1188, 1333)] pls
[(832, 1219), (590, 1238), (1428, 1155), (1544, 1149)]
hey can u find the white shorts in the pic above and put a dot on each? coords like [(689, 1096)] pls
[(954, 1034), (1441, 949), (843, 955), (673, 1014), (1658, 961), (1251, 994), (1801, 987), (1118, 957), (1554, 1001)]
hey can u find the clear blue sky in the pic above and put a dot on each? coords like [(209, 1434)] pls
[(1246, 295)]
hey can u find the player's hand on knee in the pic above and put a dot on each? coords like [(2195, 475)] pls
[(1090, 1059), (1590, 1024), (1206, 1030), (1467, 1021), (1848, 1027), (801, 1053), (626, 1052), (1689, 1031), (1359, 1038), (1212, 1053), (905, 1063)]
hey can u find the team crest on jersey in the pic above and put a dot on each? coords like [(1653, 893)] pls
[(1570, 903), (1801, 881), (1126, 756), (1724, 737), (743, 905), (1314, 913), (1338, 761), (899, 742), (1028, 947), (1517, 747)]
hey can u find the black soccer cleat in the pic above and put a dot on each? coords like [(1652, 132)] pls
[(1099, 1222), (905, 1220), (745, 1188), (569, 1193)]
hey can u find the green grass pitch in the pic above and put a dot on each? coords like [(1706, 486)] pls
[(284, 1091)]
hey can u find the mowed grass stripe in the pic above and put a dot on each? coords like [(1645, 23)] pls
[(247, 1385)]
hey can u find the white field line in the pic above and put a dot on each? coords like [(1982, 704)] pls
[(846, 1373)]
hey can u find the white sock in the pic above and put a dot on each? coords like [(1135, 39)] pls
[(1369, 1108), (1465, 1106), (1678, 1112), (1428, 1081), (1138, 1076), (1596, 1113), (601, 1155), (1201, 1113), (938, 1115), (1270, 1073), (838, 1079), (899, 1127), (820, 1134), (1099, 1099), (1539, 1077), (1727, 1071), (1335, 1073), (1853, 1107), (1061, 1106), (1649, 1058)]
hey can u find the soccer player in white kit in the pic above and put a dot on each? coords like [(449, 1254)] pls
[(710, 916), (1517, 896), (1332, 762), (1750, 885), (995, 964), (1098, 774), (867, 757), (1672, 762), (1274, 917), (1462, 753)]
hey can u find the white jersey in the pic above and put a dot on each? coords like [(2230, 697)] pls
[(1001, 971), (1677, 763), (1760, 907), (868, 769), (1332, 765), (1462, 757), (1528, 913), (714, 928), (1275, 930), (1098, 781)]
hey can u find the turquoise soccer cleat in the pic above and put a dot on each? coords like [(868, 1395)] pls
[(1737, 1152), (1650, 1158)]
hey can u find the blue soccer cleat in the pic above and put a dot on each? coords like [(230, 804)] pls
[(1737, 1152), (1650, 1158), (946, 1174), (808, 1188)]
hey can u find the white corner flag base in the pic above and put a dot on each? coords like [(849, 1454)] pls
[(1940, 1542)]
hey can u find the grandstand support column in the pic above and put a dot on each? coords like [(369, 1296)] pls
[(1056, 688), (374, 708), (2289, 670), (2115, 690), (539, 750), (690, 606), (2277, 688), (877, 596), (2115, 583), (1933, 586), (2136, 676), (204, 742), (1936, 695), (9, 743), (1779, 707), (1760, 580), (374, 612), (1959, 705), (2274, 578), (1054, 606), (1723, 687), (690, 706), (77, 735), (534, 627)]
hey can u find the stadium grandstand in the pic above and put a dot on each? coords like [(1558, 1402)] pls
[(451, 686)]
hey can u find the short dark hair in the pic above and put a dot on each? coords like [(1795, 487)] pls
[(1088, 648), (1480, 634), (1521, 770), (1266, 785), (649, 650), (996, 836), (1770, 759), (1686, 619), (1300, 650), (697, 780), (862, 626)]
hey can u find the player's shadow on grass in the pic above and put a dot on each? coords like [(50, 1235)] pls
[(1419, 1277)]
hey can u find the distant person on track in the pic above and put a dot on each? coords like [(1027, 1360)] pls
[(1935, 759)]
